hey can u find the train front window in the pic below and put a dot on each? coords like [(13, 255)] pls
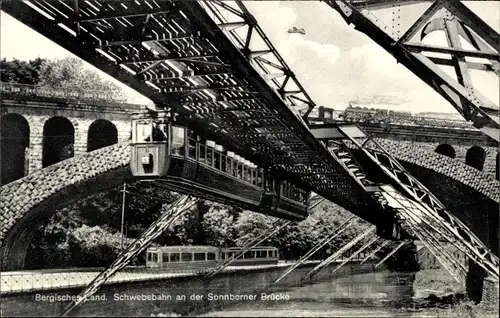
[(141, 130), (211, 256)]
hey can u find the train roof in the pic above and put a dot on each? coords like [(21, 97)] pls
[(185, 248)]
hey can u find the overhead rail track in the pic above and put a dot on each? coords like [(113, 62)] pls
[(174, 53)]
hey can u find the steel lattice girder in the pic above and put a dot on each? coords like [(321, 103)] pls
[(458, 20), (410, 195), (156, 39), (176, 209), (418, 197)]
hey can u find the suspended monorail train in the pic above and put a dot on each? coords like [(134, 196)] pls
[(189, 164)]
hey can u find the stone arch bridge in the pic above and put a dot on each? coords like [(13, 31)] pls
[(471, 194), (59, 148)]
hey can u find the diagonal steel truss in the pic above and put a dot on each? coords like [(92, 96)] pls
[(344, 226), (275, 228), (176, 209), (394, 250), (384, 243), (418, 198), (266, 59), (404, 195), (336, 255), (455, 19), (356, 253)]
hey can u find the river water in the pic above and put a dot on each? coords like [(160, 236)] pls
[(382, 294)]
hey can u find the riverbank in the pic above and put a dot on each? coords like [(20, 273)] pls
[(438, 294)]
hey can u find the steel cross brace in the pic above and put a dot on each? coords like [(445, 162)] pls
[(356, 253), (344, 226), (425, 200), (248, 246), (175, 210), (336, 255), (468, 101), (256, 57)]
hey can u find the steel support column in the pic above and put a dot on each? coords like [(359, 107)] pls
[(175, 210)]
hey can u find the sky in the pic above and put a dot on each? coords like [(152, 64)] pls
[(335, 63)]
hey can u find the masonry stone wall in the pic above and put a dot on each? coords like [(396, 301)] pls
[(81, 117)]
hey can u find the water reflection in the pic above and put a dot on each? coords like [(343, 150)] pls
[(380, 294)]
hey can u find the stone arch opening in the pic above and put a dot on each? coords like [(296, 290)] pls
[(497, 170), (58, 140), (15, 140), (446, 150), (101, 133), (475, 157)]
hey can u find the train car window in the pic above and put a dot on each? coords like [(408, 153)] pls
[(192, 148), (142, 131), (223, 161), (165, 257), (261, 254), (155, 257), (150, 257), (203, 153), (186, 257), (174, 257), (211, 256), (178, 141), (247, 255), (210, 152), (235, 168), (199, 256), (253, 254)]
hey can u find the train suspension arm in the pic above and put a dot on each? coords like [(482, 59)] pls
[(255, 242), (337, 254), (344, 226), (356, 253), (176, 209)]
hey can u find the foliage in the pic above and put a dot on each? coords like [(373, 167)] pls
[(69, 72), (217, 226), (22, 72)]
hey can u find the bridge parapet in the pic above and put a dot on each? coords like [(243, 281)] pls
[(95, 100)]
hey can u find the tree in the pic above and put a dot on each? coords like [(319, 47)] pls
[(22, 72), (217, 226), (69, 72), (249, 225)]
